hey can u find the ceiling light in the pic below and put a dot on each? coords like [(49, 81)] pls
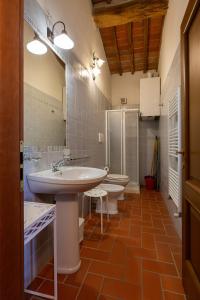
[(37, 46), (61, 40)]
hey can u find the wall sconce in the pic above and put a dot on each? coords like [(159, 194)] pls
[(83, 72), (61, 40), (36, 46), (97, 63)]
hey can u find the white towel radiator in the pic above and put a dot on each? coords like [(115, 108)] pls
[(175, 154)]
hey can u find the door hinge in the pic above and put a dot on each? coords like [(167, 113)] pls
[(21, 168)]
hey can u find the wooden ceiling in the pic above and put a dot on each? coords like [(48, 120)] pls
[(131, 32)]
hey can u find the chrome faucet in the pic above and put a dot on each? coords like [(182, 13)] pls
[(55, 167)]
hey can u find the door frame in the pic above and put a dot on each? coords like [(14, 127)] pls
[(189, 278), (11, 132)]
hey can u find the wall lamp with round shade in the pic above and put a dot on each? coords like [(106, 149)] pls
[(100, 62), (36, 46), (96, 71), (61, 40), (97, 63)]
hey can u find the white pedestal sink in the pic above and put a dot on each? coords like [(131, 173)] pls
[(65, 185)]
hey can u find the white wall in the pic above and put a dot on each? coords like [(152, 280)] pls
[(77, 16), (171, 35), (128, 86)]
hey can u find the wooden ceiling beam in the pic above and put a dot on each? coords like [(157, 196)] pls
[(131, 48), (117, 50), (113, 15), (161, 31), (146, 44)]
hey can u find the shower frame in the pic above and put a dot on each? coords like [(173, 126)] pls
[(123, 140)]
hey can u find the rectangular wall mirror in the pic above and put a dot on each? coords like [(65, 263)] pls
[(44, 97)]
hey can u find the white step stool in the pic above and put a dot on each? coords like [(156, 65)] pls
[(96, 193)]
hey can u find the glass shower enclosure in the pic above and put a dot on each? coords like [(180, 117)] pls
[(122, 144)]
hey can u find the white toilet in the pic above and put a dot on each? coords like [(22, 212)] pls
[(114, 192), (117, 179)]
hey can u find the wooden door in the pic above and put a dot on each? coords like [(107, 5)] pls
[(190, 32), (11, 107)]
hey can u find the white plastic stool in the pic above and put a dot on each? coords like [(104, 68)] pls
[(96, 193)]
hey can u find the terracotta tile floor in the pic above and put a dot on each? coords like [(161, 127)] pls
[(138, 257)]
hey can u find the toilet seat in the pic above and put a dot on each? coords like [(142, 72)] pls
[(117, 177), (111, 188)]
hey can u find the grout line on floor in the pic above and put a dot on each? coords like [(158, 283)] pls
[(83, 280), (161, 285), (177, 270), (101, 287)]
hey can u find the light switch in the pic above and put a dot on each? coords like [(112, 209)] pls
[(100, 137)]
